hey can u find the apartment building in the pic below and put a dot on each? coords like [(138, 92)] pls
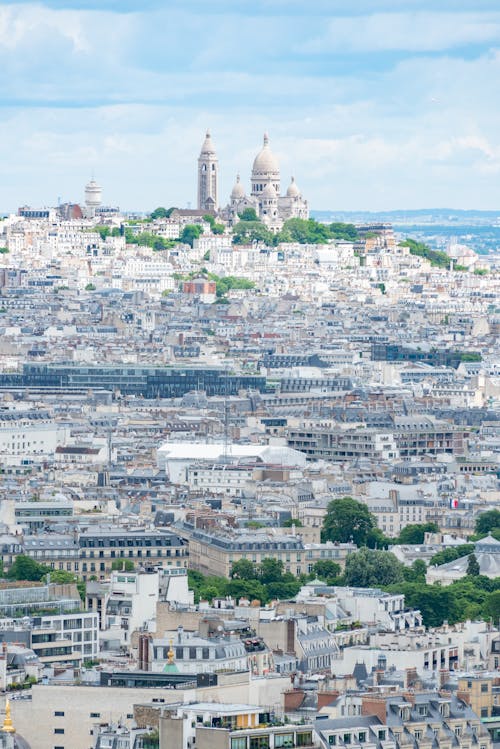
[(93, 552), (422, 720), (215, 552)]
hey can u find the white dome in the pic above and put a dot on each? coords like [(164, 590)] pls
[(269, 192), (293, 191), (238, 190), (265, 161), (208, 146)]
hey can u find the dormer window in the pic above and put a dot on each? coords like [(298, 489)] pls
[(444, 709)]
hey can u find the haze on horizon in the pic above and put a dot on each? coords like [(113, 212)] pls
[(392, 105)]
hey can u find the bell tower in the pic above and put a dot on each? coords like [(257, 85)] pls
[(208, 175)]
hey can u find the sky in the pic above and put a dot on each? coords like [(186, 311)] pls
[(370, 105)]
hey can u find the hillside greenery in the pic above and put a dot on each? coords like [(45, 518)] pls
[(436, 258)]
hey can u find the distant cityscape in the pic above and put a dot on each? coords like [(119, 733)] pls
[(249, 475)]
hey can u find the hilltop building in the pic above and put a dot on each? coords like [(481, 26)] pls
[(265, 196)]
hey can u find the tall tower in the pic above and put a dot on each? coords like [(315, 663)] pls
[(93, 197), (208, 173)]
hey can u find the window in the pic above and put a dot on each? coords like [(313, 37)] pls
[(95, 715), (347, 738), (484, 688), (332, 740), (484, 712), (362, 737), (259, 742), (418, 735), (381, 735), (283, 740), (304, 739), (239, 743), (59, 713), (58, 730)]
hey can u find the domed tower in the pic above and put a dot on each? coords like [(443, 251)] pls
[(293, 191), (208, 174), (93, 196), (268, 206), (238, 192), (265, 170)]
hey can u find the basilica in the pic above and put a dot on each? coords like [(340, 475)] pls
[(265, 196)]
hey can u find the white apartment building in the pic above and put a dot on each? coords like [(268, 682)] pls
[(29, 436), (219, 478), (128, 603), (374, 606)]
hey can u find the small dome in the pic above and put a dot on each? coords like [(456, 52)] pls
[(238, 190), (265, 161), (208, 146), (269, 192), (293, 191)]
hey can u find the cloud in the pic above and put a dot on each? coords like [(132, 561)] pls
[(368, 109), (410, 32)]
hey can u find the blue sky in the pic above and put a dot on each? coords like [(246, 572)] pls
[(371, 105)]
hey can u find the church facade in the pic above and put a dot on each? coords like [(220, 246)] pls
[(265, 197)]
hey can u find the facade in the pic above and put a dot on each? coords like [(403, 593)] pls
[(148, 381), (422, 720), (215, 552), (376, 607)]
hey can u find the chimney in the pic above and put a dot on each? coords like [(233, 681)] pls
[(410, 677), (444, 675)]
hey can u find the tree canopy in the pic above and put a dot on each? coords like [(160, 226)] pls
[(370, 567), (450, 554), (436, 258), (190, 233), (248, 214), (25, 568), (347, 520), (415, 534), (487, 521), (247, 232), (161, 212)]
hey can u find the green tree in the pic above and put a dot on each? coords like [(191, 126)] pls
[(492, 606), (25, 568), (435, 602), (473, 569), (243, 569), (190, 233), (487, 521), (375, 539), (246, 232), (415, 573), (4, 250), (122, 565), (369, 567), (248, 214), (450, 554), (347, 519), (270, 570), (343, 231), (252, 589), (60, 576), (415, 534), (290, 522), (160, 212), (90, 287), (325, 569), (306, 231)]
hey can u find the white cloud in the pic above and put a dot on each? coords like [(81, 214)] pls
[(409, 32)]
